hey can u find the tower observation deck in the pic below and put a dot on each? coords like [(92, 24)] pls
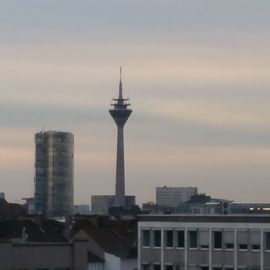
[(120, 114)]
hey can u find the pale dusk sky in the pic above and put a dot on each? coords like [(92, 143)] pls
[(197, 74)]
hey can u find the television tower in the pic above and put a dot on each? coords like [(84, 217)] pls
[(120, 114)]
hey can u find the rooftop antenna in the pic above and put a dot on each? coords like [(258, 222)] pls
[(120, 85)]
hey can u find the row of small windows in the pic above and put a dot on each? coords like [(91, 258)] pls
[(195, 239), (147, 266), (156, 266)]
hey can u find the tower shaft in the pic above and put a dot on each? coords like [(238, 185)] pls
[(120, 169)]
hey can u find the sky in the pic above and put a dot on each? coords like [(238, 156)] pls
[(197, 73)]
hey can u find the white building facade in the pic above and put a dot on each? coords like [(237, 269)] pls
[(175, 242)]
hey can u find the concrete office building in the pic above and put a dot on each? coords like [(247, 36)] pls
[(173, 196), (181, 242), (120, 114), (54, 164)]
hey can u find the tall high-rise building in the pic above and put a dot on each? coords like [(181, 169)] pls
[(54, 163), (120, 114)]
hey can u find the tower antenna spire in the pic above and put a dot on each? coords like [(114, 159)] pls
[(120, 85)]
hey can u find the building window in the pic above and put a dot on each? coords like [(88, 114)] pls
[(243, 237), (267, 240), (157, 266), (217, 240), (169, 238), (168, 267), (204, 267), (193, 239), (145, 266), (157, 238), (255, 247), (204, 239), (146, 238), (180, 239), (229, 246), (243, 246)]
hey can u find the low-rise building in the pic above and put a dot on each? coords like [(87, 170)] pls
[(201, 242), (112, 244), (31, 244)]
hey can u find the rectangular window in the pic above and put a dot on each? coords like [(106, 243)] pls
[(145, 266), (217, 240), (255, 247), (228, 238), (169, 238), (168, 267), (267, 240), (157, 238), (204, 267), (243, 239), (204, 239), (180, 239), (243, 246), (157, 266), (193, 239), (146, 238), (229, 246)]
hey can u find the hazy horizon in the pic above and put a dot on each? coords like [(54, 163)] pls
[(197, 74)]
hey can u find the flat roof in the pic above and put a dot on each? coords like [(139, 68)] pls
[(206, 218)]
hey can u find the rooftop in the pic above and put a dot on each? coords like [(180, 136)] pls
[(206, 218)]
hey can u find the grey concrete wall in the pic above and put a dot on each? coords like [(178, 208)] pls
[(5, 255), (40, 256), (198, 257), (43, 255), (175, 256)]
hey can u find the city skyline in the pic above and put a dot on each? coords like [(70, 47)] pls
[(197, 73)]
